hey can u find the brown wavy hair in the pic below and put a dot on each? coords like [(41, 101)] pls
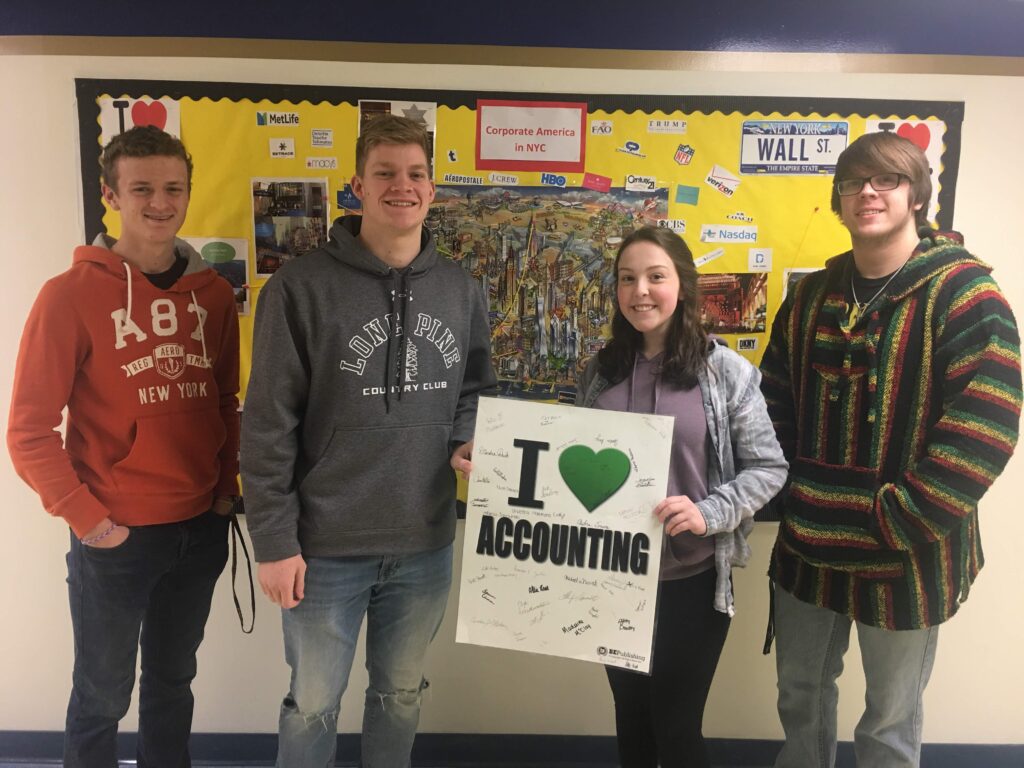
[(142, 141), (686, 343)]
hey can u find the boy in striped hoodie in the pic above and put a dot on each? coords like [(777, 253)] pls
[(893, 380)]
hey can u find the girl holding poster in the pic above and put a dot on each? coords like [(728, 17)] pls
[(726, 464)]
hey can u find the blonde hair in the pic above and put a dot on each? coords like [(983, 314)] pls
[(389, 129)]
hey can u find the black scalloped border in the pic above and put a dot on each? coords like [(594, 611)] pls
[(88, 90)]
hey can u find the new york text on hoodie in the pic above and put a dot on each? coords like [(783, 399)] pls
[(150, 381)]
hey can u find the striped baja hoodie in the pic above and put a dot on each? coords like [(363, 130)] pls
[(894, 428)]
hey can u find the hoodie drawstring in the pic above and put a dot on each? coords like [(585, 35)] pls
[(202, 334), (399, 301), (237, 540), (400, 323), (632, 385), (128, 312)]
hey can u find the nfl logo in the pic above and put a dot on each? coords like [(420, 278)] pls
[(170, 360), (684, 154)]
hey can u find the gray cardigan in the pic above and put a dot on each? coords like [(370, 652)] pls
[(749, 468)]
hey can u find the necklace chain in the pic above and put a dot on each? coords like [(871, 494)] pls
[(863, 305)]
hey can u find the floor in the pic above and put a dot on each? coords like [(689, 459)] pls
[(253, 765)]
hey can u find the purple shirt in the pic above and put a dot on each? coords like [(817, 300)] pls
[(643, 392)]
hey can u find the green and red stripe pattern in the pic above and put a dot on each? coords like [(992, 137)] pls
[(894, 427)]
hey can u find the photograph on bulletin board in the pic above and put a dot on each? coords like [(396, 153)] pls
[(534, 194)]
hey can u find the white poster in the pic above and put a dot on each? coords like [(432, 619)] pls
[(117, 115), (531, 135), (562, 550)]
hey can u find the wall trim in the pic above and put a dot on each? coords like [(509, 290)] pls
[(511, 56), (481, 750)]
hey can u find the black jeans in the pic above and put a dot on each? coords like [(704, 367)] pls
[(658, 718), (159, 581)]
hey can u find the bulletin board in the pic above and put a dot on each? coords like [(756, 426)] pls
[(534, 193)]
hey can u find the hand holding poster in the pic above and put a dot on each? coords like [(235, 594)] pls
[(562, 552)]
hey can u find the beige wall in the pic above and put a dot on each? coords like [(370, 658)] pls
[(975, 689)]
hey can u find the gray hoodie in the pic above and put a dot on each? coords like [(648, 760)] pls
[(362, 378)]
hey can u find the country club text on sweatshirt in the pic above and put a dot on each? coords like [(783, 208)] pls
[(363, 378)]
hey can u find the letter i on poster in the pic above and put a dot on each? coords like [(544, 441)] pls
[(562, 550)]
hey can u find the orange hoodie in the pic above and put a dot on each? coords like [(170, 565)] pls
[(150, 381)]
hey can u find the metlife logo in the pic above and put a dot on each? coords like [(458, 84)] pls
[(277, 118)]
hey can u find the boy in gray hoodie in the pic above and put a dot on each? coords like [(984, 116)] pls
[(368, 358)]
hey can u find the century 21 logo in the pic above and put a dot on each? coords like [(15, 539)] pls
[(647, 182)]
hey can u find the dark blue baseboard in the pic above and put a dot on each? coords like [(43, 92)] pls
[(474, 750)]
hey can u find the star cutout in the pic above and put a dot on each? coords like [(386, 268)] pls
[(415, 114)]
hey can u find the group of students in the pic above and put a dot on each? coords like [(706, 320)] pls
[(887, 402)]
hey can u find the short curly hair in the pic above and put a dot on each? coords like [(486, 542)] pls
[(142, 141)]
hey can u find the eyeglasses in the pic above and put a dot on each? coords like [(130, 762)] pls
[(880, 182)]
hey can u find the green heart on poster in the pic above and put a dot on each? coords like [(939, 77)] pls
[(592, 477)]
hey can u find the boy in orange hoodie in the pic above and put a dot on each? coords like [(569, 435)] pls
[(139, 340)]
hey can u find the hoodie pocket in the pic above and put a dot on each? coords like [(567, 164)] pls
[(380, 479), (829, 510), (837, 383), (172, 453)]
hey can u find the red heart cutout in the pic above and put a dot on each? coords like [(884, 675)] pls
[(919, 134), (154, 114)]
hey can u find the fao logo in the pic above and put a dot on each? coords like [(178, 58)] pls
[(601, 127)]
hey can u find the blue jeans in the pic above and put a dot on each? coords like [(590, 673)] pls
[(810, 643), (403, 599), (159, 581)]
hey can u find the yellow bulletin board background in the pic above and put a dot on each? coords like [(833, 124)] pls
[(542, 251)]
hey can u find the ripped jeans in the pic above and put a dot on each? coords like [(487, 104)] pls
[(403, 598)]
